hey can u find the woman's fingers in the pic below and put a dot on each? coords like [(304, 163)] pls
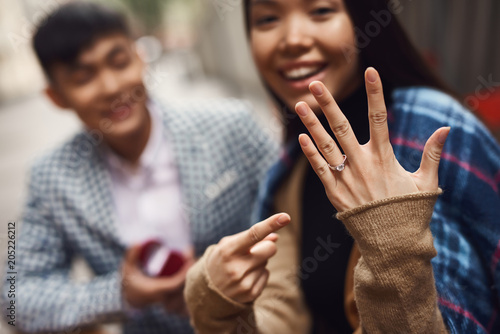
[(323, 140), (243, 241), (235, 261), (429, 166), (262, 252), (338, 122), (377, 111), (260, 284), (319, 165), (272, 237), (252, 285)]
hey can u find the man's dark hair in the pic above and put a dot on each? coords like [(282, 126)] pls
[(73, 27)]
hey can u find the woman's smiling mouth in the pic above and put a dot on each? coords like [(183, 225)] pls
[(302, 72), (299, 75)]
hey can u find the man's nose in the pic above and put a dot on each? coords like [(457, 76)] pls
[(109, 83)]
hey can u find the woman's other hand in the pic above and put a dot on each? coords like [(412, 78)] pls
[(237, 265), (371, 171)]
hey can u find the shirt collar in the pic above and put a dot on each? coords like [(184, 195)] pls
[(150, 153)]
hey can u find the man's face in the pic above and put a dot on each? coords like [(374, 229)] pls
[(104, 87)]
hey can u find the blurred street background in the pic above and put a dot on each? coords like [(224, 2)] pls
[(198, 49)]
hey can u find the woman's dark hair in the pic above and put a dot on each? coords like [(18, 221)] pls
[(383, 44), (65, 33)]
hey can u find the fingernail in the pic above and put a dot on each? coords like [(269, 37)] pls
[(301, 109), (303, 140), (443, 135), (282, 219), (371, 75), (316, 88)]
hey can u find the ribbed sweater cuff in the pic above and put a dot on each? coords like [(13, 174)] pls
[(432, 195), (392, 222)]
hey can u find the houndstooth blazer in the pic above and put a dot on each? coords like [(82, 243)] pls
[(221, 156)]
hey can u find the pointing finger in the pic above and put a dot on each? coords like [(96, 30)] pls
[(245, 240)]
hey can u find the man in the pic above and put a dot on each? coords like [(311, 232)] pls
[(187, 175)]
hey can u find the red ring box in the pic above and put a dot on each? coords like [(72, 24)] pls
[(157, 260)]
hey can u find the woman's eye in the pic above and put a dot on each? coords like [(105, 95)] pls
[(323, 11), (265, 20)]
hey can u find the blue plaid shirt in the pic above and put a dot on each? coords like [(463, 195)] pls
[(466, 219)]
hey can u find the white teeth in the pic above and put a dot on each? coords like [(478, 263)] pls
[(301, 72)]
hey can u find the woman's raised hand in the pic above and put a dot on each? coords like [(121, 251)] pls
[(237, 265), (371, 171)]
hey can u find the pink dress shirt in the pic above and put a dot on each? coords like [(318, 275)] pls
[(148, 202)]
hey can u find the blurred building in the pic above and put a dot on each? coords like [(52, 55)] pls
[(458, 37), (19, 73)]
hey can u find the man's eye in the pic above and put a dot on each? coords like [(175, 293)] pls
[(265, 20), (82, 77), (121, 61)]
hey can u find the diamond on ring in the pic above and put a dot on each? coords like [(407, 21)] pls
[(340, 167)]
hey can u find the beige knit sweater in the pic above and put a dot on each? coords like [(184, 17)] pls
[(394, 289)]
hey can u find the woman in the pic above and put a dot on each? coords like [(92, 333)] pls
[(403, 281)]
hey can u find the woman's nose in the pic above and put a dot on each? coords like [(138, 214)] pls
[(296, 37)]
